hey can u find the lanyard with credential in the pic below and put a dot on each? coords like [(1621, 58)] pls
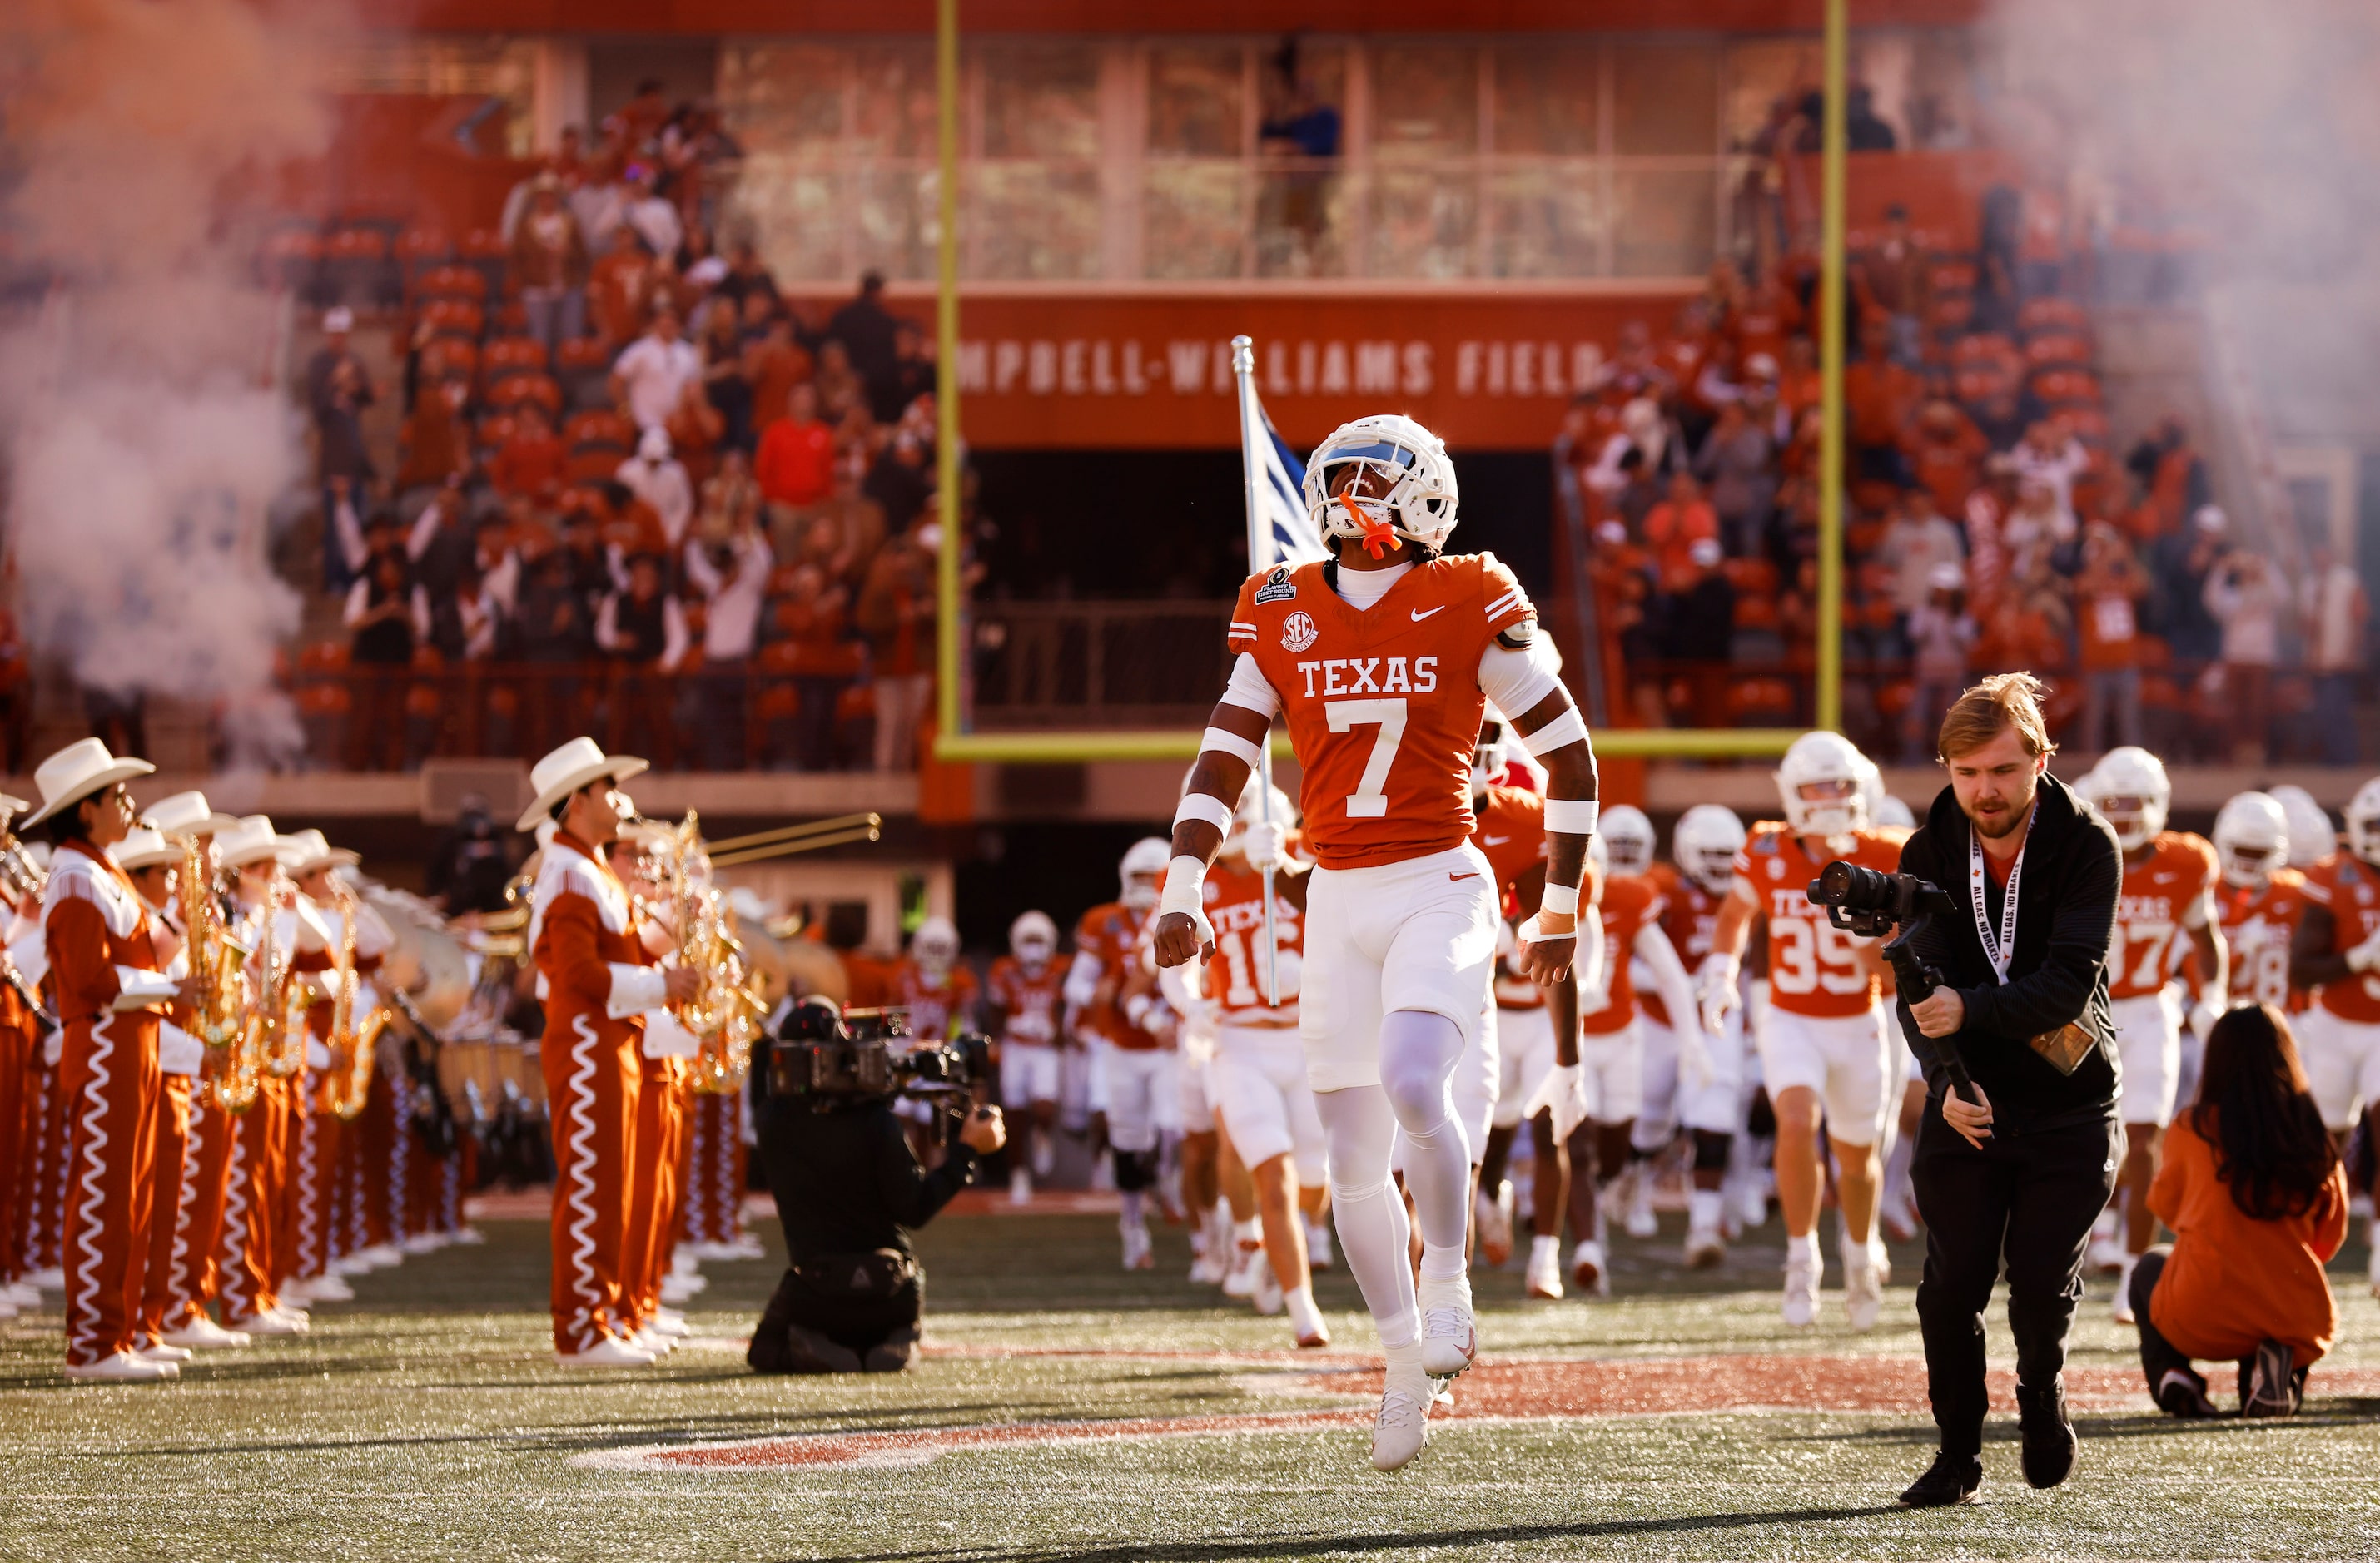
[(2000, 951)]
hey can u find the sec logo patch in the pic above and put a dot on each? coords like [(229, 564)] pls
[(1297, 631)]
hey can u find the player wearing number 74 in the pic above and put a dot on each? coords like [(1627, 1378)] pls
[(1382, 660)]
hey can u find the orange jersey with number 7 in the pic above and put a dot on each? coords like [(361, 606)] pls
[(1235, 977), (2147, 946), (1814, 968), (1383, 704)]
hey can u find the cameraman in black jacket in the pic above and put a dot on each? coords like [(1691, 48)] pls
[(2026, 1168), (848, 1191)]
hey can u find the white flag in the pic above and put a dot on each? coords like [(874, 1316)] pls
[(1280, 525)]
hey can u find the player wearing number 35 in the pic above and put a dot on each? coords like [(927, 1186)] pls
[(1383, 658), (2023, 1168)]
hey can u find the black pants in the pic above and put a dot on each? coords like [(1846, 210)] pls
[(2031, 1197), (858, 1318)]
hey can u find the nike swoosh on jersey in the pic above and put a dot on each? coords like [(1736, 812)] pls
[(1494, 841), (1421, 613), (1459, 877)]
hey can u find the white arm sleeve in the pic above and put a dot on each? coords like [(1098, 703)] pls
[(1514, 680), (1082, 978), (1250, 689), (635, 989), (1661, 957)]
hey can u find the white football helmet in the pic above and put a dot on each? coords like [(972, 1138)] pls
[(1284, 813), (2312, 837), (1818, 780), (2129, 789), (1490, 757), (1703, 846), (2364, 822), (1627, 837), (1142, 871), (1033, 939), (935, 946), (2252, 838), (1413, 490)]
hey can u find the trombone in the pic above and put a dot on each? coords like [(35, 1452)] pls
[(786, 839)]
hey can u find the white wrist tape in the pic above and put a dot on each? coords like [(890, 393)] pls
[(1186, 887), (1560, 899), (1567, 728), (1571, 816), (1205, 806), (1224, 741)]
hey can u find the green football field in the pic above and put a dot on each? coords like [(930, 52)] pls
[(1071, 1410)]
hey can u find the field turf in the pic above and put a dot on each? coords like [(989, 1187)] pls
[(427, 1421)]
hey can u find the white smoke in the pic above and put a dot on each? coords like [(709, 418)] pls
[(144, 442), (2254, 122)]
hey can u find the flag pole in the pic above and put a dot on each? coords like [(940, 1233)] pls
[(1244, 369)]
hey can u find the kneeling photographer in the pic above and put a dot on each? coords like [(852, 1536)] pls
[(2017, 1152), (848, 1188)]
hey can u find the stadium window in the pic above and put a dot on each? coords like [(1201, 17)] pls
[(1195, 178), (1664, 99)]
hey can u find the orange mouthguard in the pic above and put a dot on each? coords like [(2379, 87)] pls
[(1379, 534)]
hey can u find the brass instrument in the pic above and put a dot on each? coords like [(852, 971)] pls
[(281, 1007), (20, 874), (725, 1013), (349, 1084), (215, 958)]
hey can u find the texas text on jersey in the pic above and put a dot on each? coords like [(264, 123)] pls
[(1814, 968), (2156, 894), (1383, 704), (1235, 977), (2258, 926)]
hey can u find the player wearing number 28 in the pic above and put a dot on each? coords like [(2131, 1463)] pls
[(1382, 660)]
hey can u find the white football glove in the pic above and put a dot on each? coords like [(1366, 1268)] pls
[(2366, 955), (1563, 1093), (1714, 985), (1265, 844), (2212, 1003)]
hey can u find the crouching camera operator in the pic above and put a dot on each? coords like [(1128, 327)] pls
[(847, 1186), (2003, 998)]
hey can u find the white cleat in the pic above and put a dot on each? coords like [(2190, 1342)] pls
[(1305, 1321), (1267, 1297), (52, 1279), (2122, 1310), (1449, 1338), (469, 1236), (1544, 1279), (22, 1293), (1589, 1271), (273, 1321), (669, 1325), (159, 1352), (1138, 1253), (652, 1342), (1748, 1204), (123, 1368), (379, 1257), (1864, 1291), (1801, 1278), (1020, 1187), (1317, 1246), (1207, 1264), (1706, 1248), (607, 1353), (1639, 1222), (322, 1289), (203, 1334), (1403, 1425), (1241, 1279)]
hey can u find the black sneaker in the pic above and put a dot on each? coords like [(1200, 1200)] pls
[(2273, 1385), (1951, 1479), (2184, 1394), (2047, 1434)]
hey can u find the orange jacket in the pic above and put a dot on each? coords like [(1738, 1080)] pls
[(2233, 1283)]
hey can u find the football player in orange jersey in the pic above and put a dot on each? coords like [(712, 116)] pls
[(1824, 1050), (1693, 885), (1104, 938), (1132, 1042), (2262, 899), (1383, 658), (2337, 952), (2170, 881), (1021, 994)]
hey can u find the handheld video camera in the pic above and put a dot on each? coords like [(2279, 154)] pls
[(832, 1057), (1871, 904)]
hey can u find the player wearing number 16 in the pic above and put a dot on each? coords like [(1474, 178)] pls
[(1382, 660)]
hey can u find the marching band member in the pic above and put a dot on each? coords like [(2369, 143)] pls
[(149, 860), (192, 1276), (599, 979), (110, 994), (656, 1183), (322, 1154), (21, 1036), (281, 929)]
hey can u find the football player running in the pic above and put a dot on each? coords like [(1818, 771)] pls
[(1825, 1050), (2167, 904), (1021, 994), (1382, 660), (2337, 951), (1703, 846), (2262, 899)]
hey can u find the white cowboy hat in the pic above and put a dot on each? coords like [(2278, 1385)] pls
[(570, 767), (251, 840), (309, 849), (188, 814), (76, 772), (144, 849)]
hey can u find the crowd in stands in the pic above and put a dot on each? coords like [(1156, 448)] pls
[(635, 491), (1990, 523)]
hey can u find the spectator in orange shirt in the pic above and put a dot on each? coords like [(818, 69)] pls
[(2108, 637), (531, 462), (1674, 525), (1945, 453), (795, 465), (437, 443), (620, 287), (1879, 396), (2256, 1195), (773, 363)]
